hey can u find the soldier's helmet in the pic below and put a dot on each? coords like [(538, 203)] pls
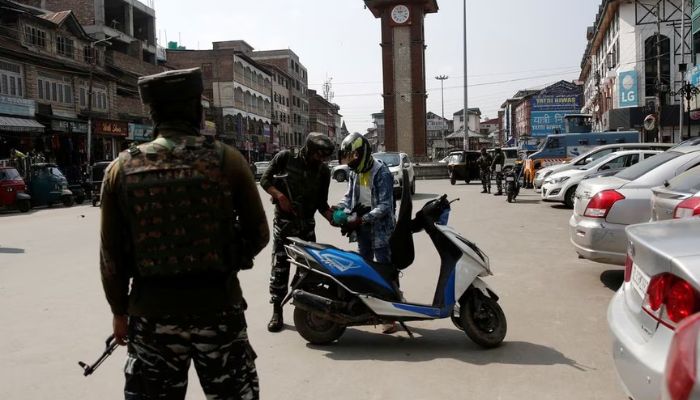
[(356, 143), (319, 143), (171, 86)]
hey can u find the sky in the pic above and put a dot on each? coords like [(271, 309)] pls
[(512, 45)]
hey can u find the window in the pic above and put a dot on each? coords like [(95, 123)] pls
[(55, 89), (11, 79), (650, 70), (34, 36), (64, 46)]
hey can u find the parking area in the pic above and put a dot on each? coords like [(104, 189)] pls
[(557, 346)]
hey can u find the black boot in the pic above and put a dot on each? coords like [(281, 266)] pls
[(277, 321), (484, 191)]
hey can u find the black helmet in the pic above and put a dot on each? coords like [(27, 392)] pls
[(355, 142), (171, 86), (319, 143)]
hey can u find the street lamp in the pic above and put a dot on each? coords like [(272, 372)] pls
[(687, 91), (93, 59), (442, 79)]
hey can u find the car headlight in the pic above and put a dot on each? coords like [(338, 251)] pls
[(560, 179)]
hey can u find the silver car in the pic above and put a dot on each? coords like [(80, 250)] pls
[(604, 207), (677, 198), (681, 376), (596, 153), (660, 289)]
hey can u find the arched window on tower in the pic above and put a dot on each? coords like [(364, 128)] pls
[(650, 64)]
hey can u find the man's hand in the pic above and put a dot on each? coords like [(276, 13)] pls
[(119, 327), (352, 225), (285, 204)]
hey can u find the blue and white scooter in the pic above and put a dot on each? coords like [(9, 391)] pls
[(336, 288)]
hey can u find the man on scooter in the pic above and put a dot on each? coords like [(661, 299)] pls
[(370, 185)]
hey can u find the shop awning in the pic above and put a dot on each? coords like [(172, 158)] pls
[(20, 125)]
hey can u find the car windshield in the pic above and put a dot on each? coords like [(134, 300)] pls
[(455, 158), (597, 162), (9, 175), (687, 182), (647, 165), (55, 172), (391, 160)]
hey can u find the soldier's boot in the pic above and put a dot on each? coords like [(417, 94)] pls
[(277, 321)]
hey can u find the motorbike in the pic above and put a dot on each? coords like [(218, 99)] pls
[(336, 288), (512, 178)]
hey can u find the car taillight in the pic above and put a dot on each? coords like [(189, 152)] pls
[(628, 266), (687, 208), (678, 296), (681, 366), (601, 203)]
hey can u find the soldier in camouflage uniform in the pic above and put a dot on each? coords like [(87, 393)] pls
[(172, 215), (297, 197), (499, 159), (484, 162)]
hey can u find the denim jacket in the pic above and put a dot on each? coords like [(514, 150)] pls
[(381, 218)]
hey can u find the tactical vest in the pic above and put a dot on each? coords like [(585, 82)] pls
[(178, 205), (304, 184)]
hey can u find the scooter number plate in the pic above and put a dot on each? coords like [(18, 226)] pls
[(510, 179)]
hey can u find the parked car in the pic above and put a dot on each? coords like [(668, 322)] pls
[(462, 166), (340, 172), (681, 372), (604, 207), (661, 288), (260, 168), (398, 162), (13, 190), (677, 198), (561, 186), (590, 156)]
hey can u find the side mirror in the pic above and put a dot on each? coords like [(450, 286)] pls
[(589, 160)]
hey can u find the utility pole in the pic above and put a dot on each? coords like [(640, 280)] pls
[(682, 68), (442, 79), (658, 71), (466, 92)]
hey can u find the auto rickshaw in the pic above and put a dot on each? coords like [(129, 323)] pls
[(48, 186), (97, 173), (13, 190), (462, 165)]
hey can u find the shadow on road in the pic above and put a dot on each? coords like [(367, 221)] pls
[(612, 279), (560, 207), (440, 344), (11, 250), (424, 196), (526, 201)]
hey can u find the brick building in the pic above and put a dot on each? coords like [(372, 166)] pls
[(322, 115), (281, 117)]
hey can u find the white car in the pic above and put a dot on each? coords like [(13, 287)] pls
[(561, 186), (397, 163), (660, 290), (595, 154), (340, 173)]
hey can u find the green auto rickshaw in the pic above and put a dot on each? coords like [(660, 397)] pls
[(48, 186)]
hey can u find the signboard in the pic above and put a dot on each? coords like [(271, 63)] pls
[(111, 127), (545, 123), (17, 106), (58, 125), (695, 81), (549, 108), (629, 95), (140, 133)]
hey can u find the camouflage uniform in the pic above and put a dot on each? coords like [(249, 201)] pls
[(309, 186), (169, 259), (499, 159), (484, 162)]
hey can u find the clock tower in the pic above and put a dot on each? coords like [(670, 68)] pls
[(403, 63)]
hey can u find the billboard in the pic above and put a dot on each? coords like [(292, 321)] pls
[(548, 111), (629, 95)]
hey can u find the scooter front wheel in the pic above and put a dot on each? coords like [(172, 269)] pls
[(315, 329), (483, 320)]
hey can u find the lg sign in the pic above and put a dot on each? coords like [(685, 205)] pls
[(628, 89)]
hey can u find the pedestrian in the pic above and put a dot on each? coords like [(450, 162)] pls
[(298, 194), (170, 250), (499, 159), (484, 162), (370, 185)]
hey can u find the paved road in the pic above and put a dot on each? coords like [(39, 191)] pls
[(53, 313)]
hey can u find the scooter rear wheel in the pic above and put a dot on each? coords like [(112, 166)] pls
[(316, 330), (483, 320)]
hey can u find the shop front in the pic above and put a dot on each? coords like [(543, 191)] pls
[(18, 128), (110, 138), (139, 133)]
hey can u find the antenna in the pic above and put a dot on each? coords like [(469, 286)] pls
[(328, 93)]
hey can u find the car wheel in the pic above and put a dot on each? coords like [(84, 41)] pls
[(340, 176), (24, 206), (569, 197), (453, 179), (68, 201)]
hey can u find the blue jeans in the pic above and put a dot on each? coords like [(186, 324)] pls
[(381, 255)]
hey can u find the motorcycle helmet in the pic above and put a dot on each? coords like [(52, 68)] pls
[(318, 143), (357, 144)]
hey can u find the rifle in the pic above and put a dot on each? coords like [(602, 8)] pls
[(110, 346)]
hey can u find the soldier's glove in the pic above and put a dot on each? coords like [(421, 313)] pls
[(351, 226)]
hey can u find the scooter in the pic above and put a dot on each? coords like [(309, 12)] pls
[(336, 288), (512, 184)]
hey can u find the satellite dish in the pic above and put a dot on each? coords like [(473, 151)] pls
[(650, 122)]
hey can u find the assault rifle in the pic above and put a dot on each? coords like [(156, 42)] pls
[(110, 346)]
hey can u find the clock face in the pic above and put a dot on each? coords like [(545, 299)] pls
[(400, 14)]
